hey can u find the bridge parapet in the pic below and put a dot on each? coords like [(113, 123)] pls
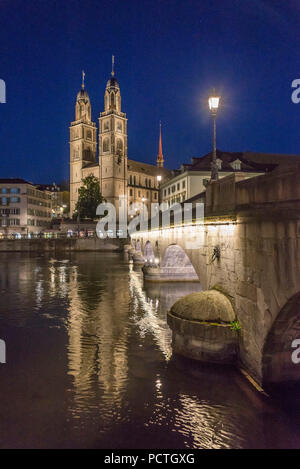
[(237, 193)]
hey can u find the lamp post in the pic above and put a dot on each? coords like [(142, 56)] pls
[(213, 102)]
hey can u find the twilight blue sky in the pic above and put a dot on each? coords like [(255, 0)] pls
[(169, 54)]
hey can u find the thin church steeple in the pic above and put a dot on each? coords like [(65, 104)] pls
[(160, 157), (112, 65)]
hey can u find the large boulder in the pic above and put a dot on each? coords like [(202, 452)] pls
[(202, 327), (207, 306)]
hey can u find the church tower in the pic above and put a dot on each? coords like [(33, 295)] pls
[(113, 143), (83, 142), (160, 157)]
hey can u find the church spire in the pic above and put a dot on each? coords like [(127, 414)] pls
[(160, 158), (112, 65), (83, 77)]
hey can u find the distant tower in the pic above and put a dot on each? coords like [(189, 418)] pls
[(113, 143), (160, 157), (83, 142)]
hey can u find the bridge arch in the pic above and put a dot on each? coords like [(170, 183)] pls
[(176, 264), (279, 350), (149, 254)]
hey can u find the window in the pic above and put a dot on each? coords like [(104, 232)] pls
[(165, 192), (173, 188), (112, 100), (15, 190), (14, 221), (106, 125), (155, 195), (4, 190), (106, 144), (236, 165), (15, 200), (219, 163), (178, 186), (89, 135), (119, 146), (130, 192), (88, 154), (169, 190), (4, 200), (139, 193), (119, 126), (183, 184)]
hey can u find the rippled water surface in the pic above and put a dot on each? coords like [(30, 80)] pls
[(89, 364)]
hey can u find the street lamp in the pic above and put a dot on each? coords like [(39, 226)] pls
[(213, 102)]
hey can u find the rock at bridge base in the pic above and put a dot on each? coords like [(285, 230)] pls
[(138, 258), (163, 274), (201, 325)]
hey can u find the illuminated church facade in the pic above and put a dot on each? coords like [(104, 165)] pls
[(117, 175)]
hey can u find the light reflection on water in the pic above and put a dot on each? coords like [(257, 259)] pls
[(90, 365)]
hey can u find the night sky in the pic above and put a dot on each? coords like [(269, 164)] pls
[(169, 54)]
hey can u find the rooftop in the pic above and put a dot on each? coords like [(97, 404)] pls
[(14, 181), (250, 162), (148, 169)]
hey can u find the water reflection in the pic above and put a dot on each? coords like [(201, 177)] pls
[(98, 331), (90, 365)]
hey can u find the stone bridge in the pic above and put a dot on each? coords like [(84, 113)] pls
[(249, 245)]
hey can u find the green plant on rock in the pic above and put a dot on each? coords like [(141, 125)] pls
[(235, 326)]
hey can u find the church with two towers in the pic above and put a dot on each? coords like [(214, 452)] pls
[(117, 175)]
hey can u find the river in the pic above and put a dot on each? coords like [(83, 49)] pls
[(90, 365)]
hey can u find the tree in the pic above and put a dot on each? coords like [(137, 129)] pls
[(89, 197)]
